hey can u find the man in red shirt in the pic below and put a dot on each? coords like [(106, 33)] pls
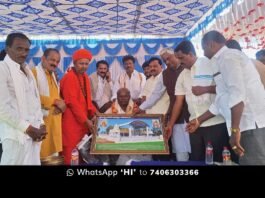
[(75, 90)]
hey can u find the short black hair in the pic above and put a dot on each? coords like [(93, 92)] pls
[(102, 62), (11, 37), (145, 64), (233, 44), (214, 36), (155, 59), (49, 50), (128, 57), (186, 47), (260, 53), (2, 54)]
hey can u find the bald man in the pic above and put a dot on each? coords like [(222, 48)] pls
[(125, 105)]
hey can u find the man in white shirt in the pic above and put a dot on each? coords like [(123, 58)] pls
[(233, 44), (240, 99), (130, 79), (198, 74), (166, 84), (161, 106), (21, 128), (101, 86)]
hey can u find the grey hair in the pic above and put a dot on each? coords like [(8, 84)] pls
[(166, 50)]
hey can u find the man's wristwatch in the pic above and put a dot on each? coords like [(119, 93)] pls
[(235, 130)]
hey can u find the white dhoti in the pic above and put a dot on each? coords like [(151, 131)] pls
[(181, 142), (15, 153)]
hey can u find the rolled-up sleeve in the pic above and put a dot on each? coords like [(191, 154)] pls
[(213, 109), (179, 87)]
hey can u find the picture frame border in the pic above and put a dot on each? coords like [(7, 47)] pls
[(161, 117)]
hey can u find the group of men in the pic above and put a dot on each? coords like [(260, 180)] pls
[(219, 99)]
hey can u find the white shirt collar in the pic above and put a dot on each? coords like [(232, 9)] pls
[(133, 73), (100, 78), (194, 65), (157, 76), (224, 48), (9, 61)]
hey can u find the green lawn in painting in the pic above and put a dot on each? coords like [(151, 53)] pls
[(138, 146)]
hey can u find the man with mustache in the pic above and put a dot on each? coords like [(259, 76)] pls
[(161, 106), (239, 99), (51, 103), (147, 70), (196, 86), (21, 123), (124, 105), (131, 79), (166, 83), (101, 86), (75, 90)]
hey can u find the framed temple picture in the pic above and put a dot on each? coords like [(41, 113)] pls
[(124, 134)]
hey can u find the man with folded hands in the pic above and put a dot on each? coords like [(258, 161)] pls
[(21, 123), (52, 105)]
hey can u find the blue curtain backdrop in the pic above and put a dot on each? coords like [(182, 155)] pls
[(113, 49)]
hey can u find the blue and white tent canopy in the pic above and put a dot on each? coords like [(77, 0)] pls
[(173, 18), (68, 25)]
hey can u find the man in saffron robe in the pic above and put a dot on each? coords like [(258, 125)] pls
[(75, 90)]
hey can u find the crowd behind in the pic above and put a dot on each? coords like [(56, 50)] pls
[(218, 98)]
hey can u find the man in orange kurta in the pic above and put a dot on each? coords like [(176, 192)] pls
[(51, 103), (75, 90)]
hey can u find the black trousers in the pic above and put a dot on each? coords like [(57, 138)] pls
[(217, 135)]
